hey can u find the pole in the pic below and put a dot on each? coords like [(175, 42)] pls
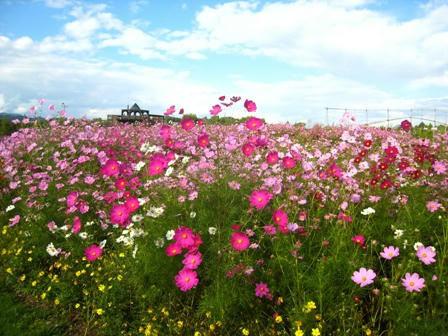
[(387, 118)]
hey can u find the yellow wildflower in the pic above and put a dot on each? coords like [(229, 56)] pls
[(9, 270), (315, 332), (180, 324), (101, 288), (299, 332), (245, 332), (99, 311), (278, 319)]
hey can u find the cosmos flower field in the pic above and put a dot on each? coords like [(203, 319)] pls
[(193, 228)]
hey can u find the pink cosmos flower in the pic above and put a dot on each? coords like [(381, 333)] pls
[(433, 206), (184, 237), (406, 125), (363, 277), (51, 107), (119, 214), (187, 124), (239, 241), (270, 229), (261, 289), (110, 168), (250, 106), (14, 221), (426, 254), (93, 252), (76, 225), (173, 249), (439, 167), (132, 204), (360, 240), (157, 166), (413, 282), (72, 198), (254, 123), (32, 109), (170, 110), (234, 185), (259, 198), (215, 110), (203, 140), (288, 162), (280, 217), (272, 158), (248, 149), (120, 183), (165, 131), (192, 260), (390, 252), (110, 196), (186, 279)]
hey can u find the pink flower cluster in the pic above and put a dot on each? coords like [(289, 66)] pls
[(184, 238)]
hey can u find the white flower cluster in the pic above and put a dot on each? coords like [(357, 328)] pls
[(51, 250), (155, 212), (147, 148), (128, 235), (139, 165), (10, 207), (368, 211)]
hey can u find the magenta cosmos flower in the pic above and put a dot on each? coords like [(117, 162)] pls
[(173, 249), (390, 252), (406, 125), (93, 252), (186, 279), (72, 198), (272, 158), (261, 289), (170, 110), (413, 282), (359, 239), (187, 124), (363, 277), (203, 140), (260, 198), (119, 214), (254, 123), (215, 110), (248, 149), (157, 166), (192, 260), (250, 106), (132, 204), (110, 168), (288, 162), (426, 254), (76, 225), (184, 237), (239, 241), (280, 217)]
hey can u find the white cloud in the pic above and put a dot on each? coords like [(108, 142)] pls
[(136, 5), (58, 3)]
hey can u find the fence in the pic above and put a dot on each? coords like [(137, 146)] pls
[(389, 117)]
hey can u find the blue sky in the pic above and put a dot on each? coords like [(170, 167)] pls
[(293, 58)]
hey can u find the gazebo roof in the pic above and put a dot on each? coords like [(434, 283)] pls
[(135, 108)]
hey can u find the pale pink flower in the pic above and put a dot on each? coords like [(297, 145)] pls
[(433, 206), (413, 282), (363, 277), (390, 252), (426, 254)]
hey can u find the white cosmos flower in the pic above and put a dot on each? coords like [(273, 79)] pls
[(170, 235), (368, 211), (212, 230), (10, 207)]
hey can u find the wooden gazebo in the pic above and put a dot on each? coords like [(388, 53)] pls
[(135, 113)]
